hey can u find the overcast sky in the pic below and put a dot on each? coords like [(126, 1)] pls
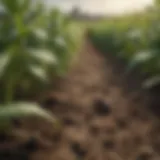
[(102, 6)]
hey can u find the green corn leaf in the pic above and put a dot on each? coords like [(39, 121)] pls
[(142, 56), (151, 82), (39, 72), (40, 34), (60, 41), (43, 56), (138, 59), (4, 61), (24, 109)]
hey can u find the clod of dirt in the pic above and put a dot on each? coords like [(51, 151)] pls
[(108, 144), (94, 130), (4, 137), (31, 145), (138, 140), (68, 121), (78, 150), (122, 123), (49, 102), (154, 107), (31, 141), (134, 113), (16, 123), (57, 137), (144, 156), (101, 108), (14, 154)]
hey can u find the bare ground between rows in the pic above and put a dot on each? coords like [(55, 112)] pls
[(104, 113)]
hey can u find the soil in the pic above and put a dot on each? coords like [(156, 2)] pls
[(105, 115)]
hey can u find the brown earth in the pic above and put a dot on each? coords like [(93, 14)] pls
[(104, 113)]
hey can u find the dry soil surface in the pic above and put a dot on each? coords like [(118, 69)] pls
[(105, 116)]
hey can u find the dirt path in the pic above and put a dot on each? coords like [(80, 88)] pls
[(102, 120)]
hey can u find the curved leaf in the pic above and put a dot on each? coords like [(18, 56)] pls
[(40, 34), (39, 72), (44, 56), (139, 58), (151, 82), (24, 109), (60, 41)]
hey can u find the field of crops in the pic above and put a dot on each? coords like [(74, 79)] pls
[(135, 40), (58, 92), (37, 45)]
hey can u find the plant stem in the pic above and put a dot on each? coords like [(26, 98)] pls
[(9, 91)]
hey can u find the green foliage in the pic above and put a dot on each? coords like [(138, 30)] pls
[(22, 110), (36, 45), (135, 39)]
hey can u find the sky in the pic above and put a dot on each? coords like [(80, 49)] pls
[(102, 6)]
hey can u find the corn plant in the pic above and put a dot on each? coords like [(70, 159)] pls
[(63, 43), (23, 54), (35, 44), (137, 43)]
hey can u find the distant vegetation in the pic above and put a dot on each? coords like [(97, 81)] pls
[(135, 39)]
